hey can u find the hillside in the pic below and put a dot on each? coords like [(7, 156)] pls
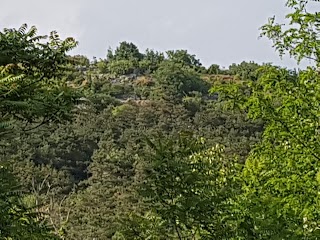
[(153, 145)]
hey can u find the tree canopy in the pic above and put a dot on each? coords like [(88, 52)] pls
[(152, 145), (30, 93)]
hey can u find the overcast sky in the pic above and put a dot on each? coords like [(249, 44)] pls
[(216, 31)]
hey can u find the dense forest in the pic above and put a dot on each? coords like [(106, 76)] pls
[(153, 145)]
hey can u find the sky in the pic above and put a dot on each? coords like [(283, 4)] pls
[(216, 31)]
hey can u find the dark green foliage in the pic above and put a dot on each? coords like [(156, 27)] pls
[(105, 136), (86, 175), (82, 62), (214, 69), (125, 51), (124, 60), (28, 56), (245, 70), (184, 58), (151, 61), (148, 153), (102, 65), (175, 81), (16, 220), (189, 186), (122, 67), (109, 197), (28, 66), (30, 94)]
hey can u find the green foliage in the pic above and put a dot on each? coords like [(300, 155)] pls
[(147, 226), (28, 66), (109, 197), (280, 187), (124, 60), (184, 58), (193, 104), (22, 49), (17, 221), (174, 81), (133, 163), (245, 70), (283, 168), (127, 59), (102, 65), (151, 61), (122, 67), (123, 109), (300, 37), (189, 186), (80, 60), (214, 69), (125, 51), (30, 92)]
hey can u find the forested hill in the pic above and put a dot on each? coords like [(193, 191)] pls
[(95, 162), (152, 145)]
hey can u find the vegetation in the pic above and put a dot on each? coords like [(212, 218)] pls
[(154, 145), (31, 95)]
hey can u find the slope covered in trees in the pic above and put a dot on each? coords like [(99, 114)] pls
[(155, 145)]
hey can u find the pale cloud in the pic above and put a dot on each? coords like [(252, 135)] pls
[(216, 31), (59, 15)]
